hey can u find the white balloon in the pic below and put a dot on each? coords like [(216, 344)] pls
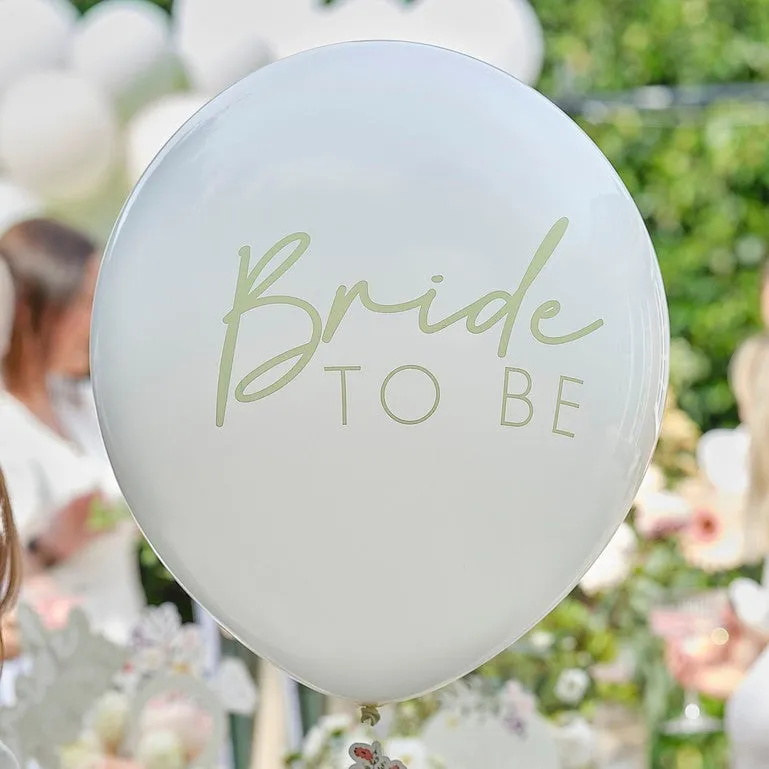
[(34, 36), (16, 205), (58, 135), (219, 42), (154, 126), (379, 487), (123, 46), (505, 33)]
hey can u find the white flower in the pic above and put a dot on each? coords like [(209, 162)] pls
[(336, 723), (314, 743), (576, 741), (413, 753), (614, 564), (109, 719), (541, 640), (318, 739), (571, 686), (161, 750), (188, 651), (149, 660), (158, 625)]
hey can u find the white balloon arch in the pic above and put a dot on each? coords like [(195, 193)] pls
[(87, 101)]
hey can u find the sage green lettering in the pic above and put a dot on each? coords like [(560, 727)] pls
[(343, 377), (344, 298), (507, 396), (433, 408), (549, 310), (249, 297), (560, 402)]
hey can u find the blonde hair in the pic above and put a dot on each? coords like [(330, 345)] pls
[(10, 556), (749, 379)]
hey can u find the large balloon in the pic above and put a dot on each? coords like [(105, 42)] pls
[(123, 46), (34, 37), (380, 356), (58, 135)]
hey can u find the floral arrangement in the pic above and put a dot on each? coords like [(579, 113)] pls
[(173, 729)]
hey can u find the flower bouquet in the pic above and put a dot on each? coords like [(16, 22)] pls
[(152, 704)]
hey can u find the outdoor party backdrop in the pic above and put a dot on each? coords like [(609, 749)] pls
[(700, 176)]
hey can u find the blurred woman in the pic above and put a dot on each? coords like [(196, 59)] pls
[(57, 482), (739, 671), (10, 578)]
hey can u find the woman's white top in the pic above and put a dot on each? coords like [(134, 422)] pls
[(747, 718), (747, 712), (44, 473), (7, 759)]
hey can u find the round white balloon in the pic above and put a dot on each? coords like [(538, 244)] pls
[(505, 33), (380, 357), (219, 41), (123, 46), (154, 126), (34, 36), (58, 135)]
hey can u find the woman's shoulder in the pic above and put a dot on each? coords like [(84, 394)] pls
[(44, 472)]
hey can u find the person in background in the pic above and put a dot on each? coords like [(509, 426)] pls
[(739, 671), (57, 481), (10, 579)]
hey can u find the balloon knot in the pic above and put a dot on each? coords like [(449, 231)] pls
[(369, 714)]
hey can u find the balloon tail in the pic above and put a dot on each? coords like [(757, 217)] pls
[(369, 714)]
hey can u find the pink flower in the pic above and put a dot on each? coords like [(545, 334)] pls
[(715, 537), (704, 527)]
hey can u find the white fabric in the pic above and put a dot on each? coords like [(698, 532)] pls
[(44, 472), (747, 718), (7, 760)]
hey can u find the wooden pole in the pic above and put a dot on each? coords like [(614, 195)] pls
[(270, 745)]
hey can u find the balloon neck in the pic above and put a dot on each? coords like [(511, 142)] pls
[(369, 714)]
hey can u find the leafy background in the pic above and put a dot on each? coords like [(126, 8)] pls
[(700, 177)]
